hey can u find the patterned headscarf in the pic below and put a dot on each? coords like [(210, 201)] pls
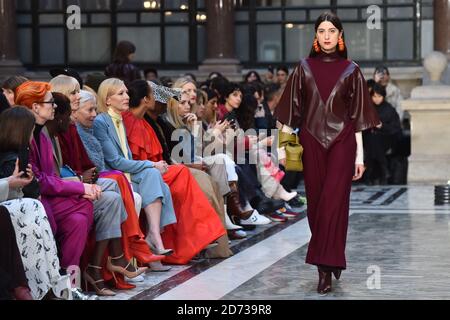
[(163, 94)]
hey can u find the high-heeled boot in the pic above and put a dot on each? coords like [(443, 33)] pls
[(324, 285), (337, 273), (234, 205)]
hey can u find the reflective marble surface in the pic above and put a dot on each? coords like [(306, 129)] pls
[(398, 247)]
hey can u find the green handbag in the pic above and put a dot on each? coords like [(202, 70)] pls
[(294, 150)]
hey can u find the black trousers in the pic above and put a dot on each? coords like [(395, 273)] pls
[(248, 182), (291, 180), (12, 274)]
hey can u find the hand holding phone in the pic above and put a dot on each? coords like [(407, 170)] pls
[(19, 181)]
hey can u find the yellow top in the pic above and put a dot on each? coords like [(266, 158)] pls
[(120, 129)]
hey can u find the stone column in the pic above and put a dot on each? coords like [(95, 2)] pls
[(220, 54), (442, 26), (429, 107), (9, 60)]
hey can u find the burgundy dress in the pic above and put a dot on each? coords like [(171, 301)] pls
[(327, 98)]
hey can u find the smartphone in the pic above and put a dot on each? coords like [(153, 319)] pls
[(23, 160), (233, 124)]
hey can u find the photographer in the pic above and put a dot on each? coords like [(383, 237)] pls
[(393, 95)]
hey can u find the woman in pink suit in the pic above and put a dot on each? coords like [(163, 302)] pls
[(68, 204)]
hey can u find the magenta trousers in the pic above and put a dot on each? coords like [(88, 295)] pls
[(328, 178), (72, 219)]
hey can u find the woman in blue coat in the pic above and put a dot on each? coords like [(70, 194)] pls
[(145, 176)]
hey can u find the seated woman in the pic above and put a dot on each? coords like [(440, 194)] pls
[(186, 140), (73, 205), (133, 242), (209, 187), (147, 180), (32, 230), (74, 155), (71, 146), (144, 145)]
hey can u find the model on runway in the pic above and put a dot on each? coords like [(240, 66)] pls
[(327, 98)]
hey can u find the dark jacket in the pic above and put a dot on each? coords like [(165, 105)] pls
[(126, 72), (301, 104)]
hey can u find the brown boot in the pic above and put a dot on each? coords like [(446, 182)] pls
[(233, 204)]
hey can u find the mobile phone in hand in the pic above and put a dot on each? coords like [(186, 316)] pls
[(23, 160)]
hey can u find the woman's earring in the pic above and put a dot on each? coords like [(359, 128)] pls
[(316, 45), (341, 44)]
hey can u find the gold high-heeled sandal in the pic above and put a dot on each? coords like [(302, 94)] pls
[(88, 279), (129, 274)]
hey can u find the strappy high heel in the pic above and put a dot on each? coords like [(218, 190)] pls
[(88, 279), (129, 274)]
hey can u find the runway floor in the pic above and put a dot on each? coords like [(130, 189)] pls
[(398, 247)]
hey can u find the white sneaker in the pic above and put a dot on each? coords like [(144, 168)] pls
[(230, 225), (256, 219)]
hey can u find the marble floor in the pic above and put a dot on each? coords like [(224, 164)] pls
[(398, 247)]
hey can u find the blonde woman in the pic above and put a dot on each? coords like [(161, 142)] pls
[(69, 87), (145, 176)]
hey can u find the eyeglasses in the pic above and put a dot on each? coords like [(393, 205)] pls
[(52, 102)]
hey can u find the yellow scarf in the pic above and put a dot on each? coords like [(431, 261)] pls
[(120, 129)]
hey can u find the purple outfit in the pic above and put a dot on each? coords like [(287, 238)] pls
[(70, 215)]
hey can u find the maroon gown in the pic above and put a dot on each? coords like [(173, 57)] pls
[(327, 98)]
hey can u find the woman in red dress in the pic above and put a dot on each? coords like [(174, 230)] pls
[(200, 220), (327, 98)]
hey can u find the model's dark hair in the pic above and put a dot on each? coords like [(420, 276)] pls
[(17, 125), (138, 90), (334, 19), (123, 50)]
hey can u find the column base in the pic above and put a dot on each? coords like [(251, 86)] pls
[(10, 68), (230, 68), (428, 169)]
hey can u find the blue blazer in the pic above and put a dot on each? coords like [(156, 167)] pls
[(105, 132)]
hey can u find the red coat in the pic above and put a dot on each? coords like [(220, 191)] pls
[(198, 224)]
